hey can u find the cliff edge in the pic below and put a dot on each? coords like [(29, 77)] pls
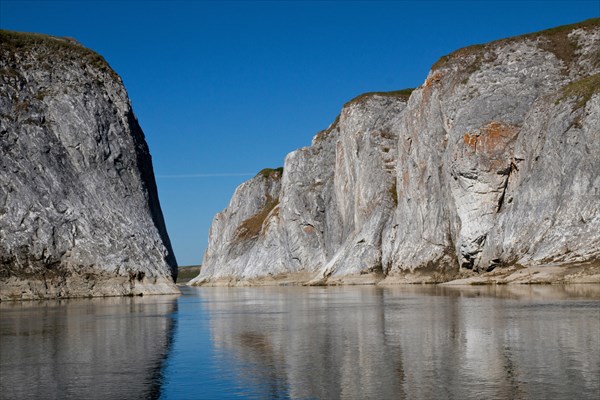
[(79, 209), (491, 165)]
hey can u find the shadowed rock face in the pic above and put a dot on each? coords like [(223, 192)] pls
[(491, 162), (79, 210)]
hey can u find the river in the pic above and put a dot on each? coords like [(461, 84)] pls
[(404, 342)]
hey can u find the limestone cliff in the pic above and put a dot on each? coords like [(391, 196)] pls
[(79, 209), (492, 162)]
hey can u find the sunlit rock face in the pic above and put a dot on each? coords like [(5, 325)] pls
[(492, 162), (326, 212), (498, 160), (79, 210)]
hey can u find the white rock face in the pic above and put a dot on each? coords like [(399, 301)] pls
[(326, 213), (492, 162), (79, 210)]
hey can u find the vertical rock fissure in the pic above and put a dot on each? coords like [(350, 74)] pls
[(511, 168)]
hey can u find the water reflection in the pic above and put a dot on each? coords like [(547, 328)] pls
[(488, 342), (112, 348), (413, 342)]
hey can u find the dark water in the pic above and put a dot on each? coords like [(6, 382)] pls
[(414, 342)]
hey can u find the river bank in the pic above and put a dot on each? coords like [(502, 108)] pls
[(588, 273)]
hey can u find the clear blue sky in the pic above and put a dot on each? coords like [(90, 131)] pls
[(230, 88)]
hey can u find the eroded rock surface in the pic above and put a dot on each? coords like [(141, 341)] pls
[(79, 210), (492, 162)]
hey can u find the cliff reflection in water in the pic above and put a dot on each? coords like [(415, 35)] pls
[(409, 342), (85, 348)]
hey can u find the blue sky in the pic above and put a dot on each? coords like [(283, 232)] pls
[(224, 89)]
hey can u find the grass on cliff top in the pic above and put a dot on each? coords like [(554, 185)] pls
[(66, 48), (582, 89), (402, 94), (271, 172), (556, 41)]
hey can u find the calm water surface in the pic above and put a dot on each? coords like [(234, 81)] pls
[(524, 342)]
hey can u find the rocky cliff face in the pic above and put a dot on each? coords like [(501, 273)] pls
[(492, 162), (79, 210), (328, 209)]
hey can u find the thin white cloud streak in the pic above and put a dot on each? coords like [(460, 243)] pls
[(214, 175)]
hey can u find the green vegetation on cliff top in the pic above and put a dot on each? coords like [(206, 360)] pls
[(555, 40), (402, 94), (61, 47), (271, 172)]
